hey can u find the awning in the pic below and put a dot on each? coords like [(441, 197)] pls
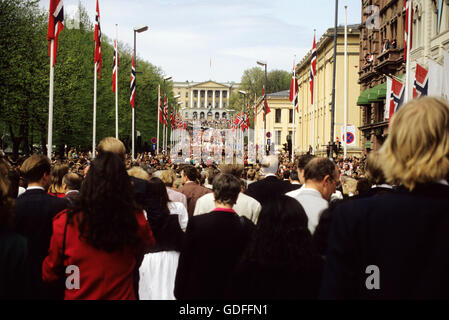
[(375, 94)]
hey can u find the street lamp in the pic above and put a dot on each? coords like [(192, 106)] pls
[(264, 64), (136, 30)]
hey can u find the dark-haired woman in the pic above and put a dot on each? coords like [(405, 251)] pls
[(158, 269), (280, 262), (102, 236)]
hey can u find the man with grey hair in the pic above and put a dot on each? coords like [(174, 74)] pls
[(270, 186)]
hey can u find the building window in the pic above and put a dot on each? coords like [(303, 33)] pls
[(225, 94), (187, 104), (202, 104), (216, 104), (187, 115), (195, 115), (278, 115), (290, 115), (179, 93), (217, 116), (202, 94), (195, 93), (209, 94), (202, 115), (277, 138), (224, 115), (224, 104), (217, 94), (187, 94), (195, 104)]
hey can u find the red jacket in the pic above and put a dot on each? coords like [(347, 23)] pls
[(103, 275)]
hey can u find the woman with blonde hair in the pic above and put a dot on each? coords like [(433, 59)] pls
[(56, 174), (394, 245)]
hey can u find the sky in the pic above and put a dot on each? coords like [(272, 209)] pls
[(199, 40)]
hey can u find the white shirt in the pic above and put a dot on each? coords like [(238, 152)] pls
[(313, 204), (245, 206), (35, 188)]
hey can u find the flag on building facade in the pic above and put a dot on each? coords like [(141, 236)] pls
[(115, 66), (396, 96), (97, 58), (55, 25), (132, 97), (421, 83), (408, 10), (294, 89), (312, 68)]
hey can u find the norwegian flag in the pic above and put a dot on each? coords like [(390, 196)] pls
[(294, 89), (421, 84), (407, 6), (266, 108), (165, 110), (97, 58), (115, 66), (55, 25), (312, 67), (159, 105), (396, 97), (132, 97)]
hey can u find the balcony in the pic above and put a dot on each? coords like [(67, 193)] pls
[(367, 72), (389, 61)]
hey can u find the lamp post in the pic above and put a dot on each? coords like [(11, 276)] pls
[(264, 64), (136, 30)]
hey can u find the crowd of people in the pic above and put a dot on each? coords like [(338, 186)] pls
[(278, 229)]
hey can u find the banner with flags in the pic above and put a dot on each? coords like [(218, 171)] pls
[(97, 58), (159, 105), (294, 89), (408, 10), (132, 97), (421, 83), (165, 110), (115, 66), (55, 25), (312, 68), (396, 96)]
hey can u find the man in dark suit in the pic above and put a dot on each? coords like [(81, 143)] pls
[(34, 213), (270, 185), (213, 245)]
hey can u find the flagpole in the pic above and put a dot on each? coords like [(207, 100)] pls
[(95, 111), (346, 84), (116, 82), (294, 107), (50, 102), (407, 65), (158, 116), (313, 105)]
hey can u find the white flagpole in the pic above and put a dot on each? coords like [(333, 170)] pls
[(407, 65), (346, 83), (132, 128), (95, 111), (116, 81), (313, 104), (158, 116), (294, 110), (50, 103)]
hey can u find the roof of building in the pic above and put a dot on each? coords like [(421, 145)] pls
[(188, 84), (280, 94)]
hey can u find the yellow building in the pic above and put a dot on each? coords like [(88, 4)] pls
[(204, 100), (303, 139)]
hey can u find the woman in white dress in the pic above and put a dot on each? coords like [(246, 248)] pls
[(158, 269)]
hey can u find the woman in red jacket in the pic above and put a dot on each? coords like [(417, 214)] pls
[(102, 238)]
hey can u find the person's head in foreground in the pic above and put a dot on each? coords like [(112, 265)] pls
[(417, 148), (226, 188), (322, 174)]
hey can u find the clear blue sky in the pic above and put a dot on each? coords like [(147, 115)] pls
[(185, 35)]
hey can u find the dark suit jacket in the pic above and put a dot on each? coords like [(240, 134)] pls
[(193, 192), (33, 217), (404, 234), (214, 242), (268, 187)]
